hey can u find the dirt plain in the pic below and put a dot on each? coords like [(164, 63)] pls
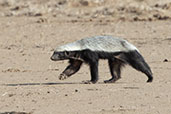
[(30, 30)]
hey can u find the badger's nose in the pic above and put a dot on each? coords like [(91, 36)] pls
[(52, 58)]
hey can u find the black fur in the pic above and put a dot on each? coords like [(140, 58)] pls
[(73, 67), (115, 60), (138, 62), (115, 66)]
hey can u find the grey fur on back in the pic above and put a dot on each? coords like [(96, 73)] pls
[(99, 43)]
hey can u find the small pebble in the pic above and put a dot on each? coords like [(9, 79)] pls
[(165, 60), (76, 90)]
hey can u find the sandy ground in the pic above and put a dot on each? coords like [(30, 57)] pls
[(29, 79)]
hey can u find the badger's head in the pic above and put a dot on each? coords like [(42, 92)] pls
[(67, 51), (63, 55)]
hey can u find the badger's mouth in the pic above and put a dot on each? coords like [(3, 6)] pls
[(56, 57), (53, 58)]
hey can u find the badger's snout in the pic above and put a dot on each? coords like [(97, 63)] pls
[(54, 57), (58, 56)]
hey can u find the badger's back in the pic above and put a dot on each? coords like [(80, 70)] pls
[(99, 43)]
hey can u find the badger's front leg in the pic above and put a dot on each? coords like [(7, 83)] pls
[(92, 59), (93, 72), (71, 69)]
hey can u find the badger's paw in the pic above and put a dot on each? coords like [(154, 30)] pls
[(112, 80), (63, 76), (109, 81), (89, 82)]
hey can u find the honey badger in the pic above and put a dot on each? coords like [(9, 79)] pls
[(119, 52)]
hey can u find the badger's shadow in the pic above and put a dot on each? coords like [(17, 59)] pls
[(53, 83), (34, 84)]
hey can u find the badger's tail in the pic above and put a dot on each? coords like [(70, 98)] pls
[(135, 59)]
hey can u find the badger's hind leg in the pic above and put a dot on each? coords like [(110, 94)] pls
[(71, 69), (136, 60), (115, 66)]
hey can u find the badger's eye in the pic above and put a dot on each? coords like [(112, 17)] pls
[(66, 53)]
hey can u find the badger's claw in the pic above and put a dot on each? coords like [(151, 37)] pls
[(89, 82), (63, 76), (112, 80), (109, 81)]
